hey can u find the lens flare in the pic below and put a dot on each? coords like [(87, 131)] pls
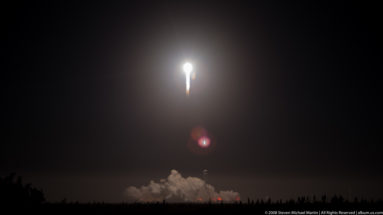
[(201, 142), (204, 142), (198, 132)]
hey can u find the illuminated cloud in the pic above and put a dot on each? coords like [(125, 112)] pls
[(178, 188)]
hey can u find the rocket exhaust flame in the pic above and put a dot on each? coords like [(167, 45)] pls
[(187, 68), (187, 84)]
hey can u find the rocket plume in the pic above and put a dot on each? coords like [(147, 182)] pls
[(187, 84), (187, 68)]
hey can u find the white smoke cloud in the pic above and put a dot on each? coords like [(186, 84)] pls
[(178, 188)]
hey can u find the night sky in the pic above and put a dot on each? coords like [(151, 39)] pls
[(93, 96)]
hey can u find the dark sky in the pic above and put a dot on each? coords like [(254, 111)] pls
[(93, 96)]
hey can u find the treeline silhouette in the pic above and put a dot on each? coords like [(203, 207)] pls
[(13, 193), (335, 203)]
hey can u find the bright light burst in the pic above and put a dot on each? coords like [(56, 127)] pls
[(188, 68), (204, 142)]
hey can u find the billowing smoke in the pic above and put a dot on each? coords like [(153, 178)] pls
[(178, 188)]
